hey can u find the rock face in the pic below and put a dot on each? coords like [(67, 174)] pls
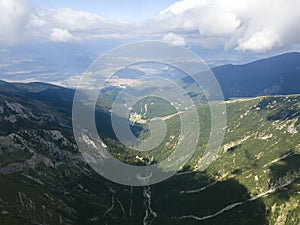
[(44, 179)]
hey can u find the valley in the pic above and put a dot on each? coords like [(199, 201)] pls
[(44, 179)]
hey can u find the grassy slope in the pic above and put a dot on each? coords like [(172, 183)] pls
[(261, 147)]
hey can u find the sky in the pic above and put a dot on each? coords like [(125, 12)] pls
[(128, 10), (220, 31)]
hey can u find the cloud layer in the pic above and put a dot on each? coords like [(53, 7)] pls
[(245, 25)]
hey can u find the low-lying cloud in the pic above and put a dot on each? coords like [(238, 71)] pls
[(174, 39), (61, 35)]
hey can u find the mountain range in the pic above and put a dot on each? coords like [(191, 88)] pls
[(278, 75), (254, 179)]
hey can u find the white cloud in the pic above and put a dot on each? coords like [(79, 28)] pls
[(13, 19), (69, 25), (174, 39), (207, 17), (244, 25), (252, 25), (77, 20), (36, 21), (260, 41), (62, 35)]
